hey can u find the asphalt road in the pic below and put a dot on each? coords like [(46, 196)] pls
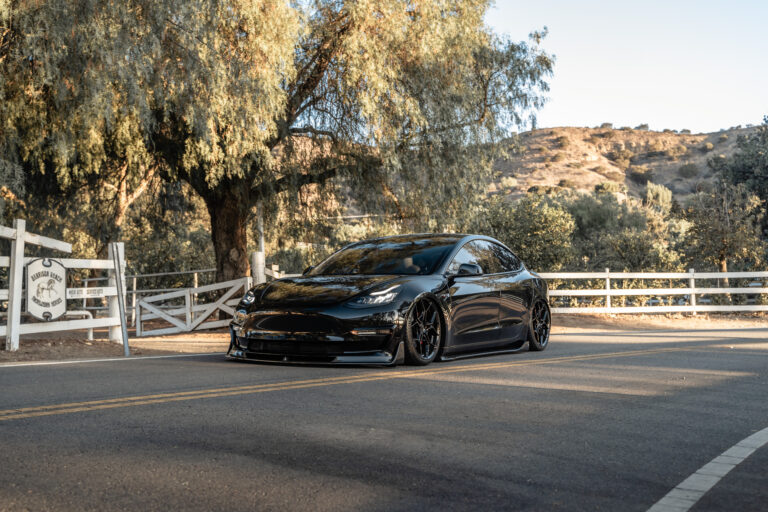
[(604, 420)]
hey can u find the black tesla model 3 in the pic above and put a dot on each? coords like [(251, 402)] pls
[(405, 298)]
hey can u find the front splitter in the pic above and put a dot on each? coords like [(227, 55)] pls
[(378, 359)]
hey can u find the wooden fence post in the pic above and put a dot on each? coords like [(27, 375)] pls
[(15, 285), (115, 332), (692, 286), (608, 287)]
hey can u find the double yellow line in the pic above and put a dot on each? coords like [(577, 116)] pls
[(160, 398)]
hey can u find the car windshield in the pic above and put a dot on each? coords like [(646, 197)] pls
[(389, 256)]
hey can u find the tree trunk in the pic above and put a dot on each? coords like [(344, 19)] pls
[(228, 229)]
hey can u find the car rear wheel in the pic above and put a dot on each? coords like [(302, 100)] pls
[(423, 333), (541, 322)]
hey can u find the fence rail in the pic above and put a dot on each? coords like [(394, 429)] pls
[(689, 297)]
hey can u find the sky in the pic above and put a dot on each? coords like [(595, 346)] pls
[(677, 64)]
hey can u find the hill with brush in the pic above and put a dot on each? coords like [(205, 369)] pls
[(623, 160)]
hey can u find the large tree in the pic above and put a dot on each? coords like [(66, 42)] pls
[(403, 100), (725, 226), (749, 166)]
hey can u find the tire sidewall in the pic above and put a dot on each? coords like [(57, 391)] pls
[(533, 343), (412, 356)]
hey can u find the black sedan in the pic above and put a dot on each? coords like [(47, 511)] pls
[(405, 298)]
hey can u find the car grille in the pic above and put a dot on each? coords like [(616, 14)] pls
[(298, 323)]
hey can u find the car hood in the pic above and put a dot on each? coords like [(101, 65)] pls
[(318, 290)]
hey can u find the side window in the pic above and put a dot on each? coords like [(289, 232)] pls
[(478, 252), (509, 261), (467, 254), (489, 259)]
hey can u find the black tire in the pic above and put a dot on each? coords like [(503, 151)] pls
[(539, 327), (423, 333)]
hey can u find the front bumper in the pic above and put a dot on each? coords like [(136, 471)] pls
[(337, 336)]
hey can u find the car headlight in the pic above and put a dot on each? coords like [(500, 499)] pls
[(239, 316), (377, 298), (248, 299)]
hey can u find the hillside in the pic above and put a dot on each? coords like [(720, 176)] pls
[(580, 158)]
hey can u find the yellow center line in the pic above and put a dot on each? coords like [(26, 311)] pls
[(73, 407)]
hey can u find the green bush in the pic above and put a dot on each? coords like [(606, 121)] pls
[(722, 138), (685, 131), (707, 147), (606, 126), (538, 229), (658, 197), (566, 183), (643, 126), (688, 170)]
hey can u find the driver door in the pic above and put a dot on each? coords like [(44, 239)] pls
[(474, 300)]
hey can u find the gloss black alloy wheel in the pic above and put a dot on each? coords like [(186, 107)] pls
[(423, 333), (538, 331)]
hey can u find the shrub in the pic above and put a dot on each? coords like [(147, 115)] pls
[(566, 183), (621, 157), (508, 182), (685, 131), (658, 196), (688, 170), (640, 174), (610, 187), (562, 141), (667, 130), (539, 230), (676, 151), (557, 157), (643, 126), (722, 138), (543, 190), (607, 126), (707, 147)]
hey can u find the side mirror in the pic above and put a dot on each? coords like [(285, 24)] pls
[(308, 270), (469, 269)]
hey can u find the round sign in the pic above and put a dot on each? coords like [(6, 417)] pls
[(46, 289)]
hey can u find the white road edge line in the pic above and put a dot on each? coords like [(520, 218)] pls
[(693, 488), (80, 361)]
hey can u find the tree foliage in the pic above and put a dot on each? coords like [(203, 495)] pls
[(247, 100), (725, 226), (749, 166), (539, 232)]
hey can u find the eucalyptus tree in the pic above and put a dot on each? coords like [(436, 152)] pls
[(248, 100)]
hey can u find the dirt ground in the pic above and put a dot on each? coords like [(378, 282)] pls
[(74, 345)]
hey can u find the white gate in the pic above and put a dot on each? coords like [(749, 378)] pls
[(189, 316)]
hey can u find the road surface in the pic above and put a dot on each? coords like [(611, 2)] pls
[(602, 420)]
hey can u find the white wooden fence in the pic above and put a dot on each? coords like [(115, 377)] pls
[(15, 292), (686, 298)]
